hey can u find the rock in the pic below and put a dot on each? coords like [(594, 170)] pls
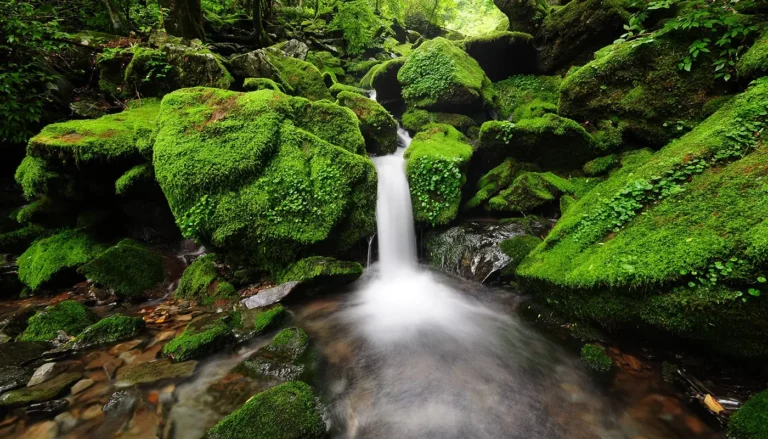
[(270, 296), (258, 321), (81, 386), (15, 242), (128, 268), (596, 359), (379, 128), (45, 373), (109, 330), (47, 409), (125, 347), (10, 285), (293, 49), (297, 77), (202, 337), (286, 411), (111, 366), (67, 422), (383, 78), (318, 272), (68, 316), (524, 15), (41, 430), (253, 84), (439, 76), (202, 281), (287, 357), (503, 54), (13, 377), (753, 64), (154, 371), (22, 353), (527, 96), (121, 403), (42, 392), (91, 412), (529, 191), (415, 120), (751, 420)]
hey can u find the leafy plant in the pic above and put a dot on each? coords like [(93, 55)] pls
[(358, 23)]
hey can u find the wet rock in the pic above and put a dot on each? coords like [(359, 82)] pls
[(122, 401), (41, 392), (202, 337), (286, 357), (43, 430), (66, 422), (45, 373), (254, 322), (154, 371), (81, 386), (294, 49), (13, 377), (21, 353), (16, 323), (270, 296), (111, 366), (47, 409), (503, 54), (10, 285)]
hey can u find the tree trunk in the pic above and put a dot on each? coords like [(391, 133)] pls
[(185, 18), (120, 24)]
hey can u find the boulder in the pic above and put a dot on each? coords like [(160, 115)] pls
[(293, 48), (153, 371), (203, 282), (530, 190), (379, 128), (253, 84), (69, 316), (524, 15), (128, 268), (414, 120), (337, 88), (383, 78), (754, 63), (318, 272), (297, 77), (287, 357), (109, 330), (257, 321), (503, 54), (292, 182), (271, 295), (45, 391), (527, 96), (751, 420), (200, 338)]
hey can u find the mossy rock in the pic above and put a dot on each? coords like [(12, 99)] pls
[(54, 259), (154, 371), (601, 165), (436, 162), (326, 63), (384, 79), (302, 77), (69, 316), (530, 190), (45, 391), (517, 249), (292, 182), (202, 281), (253, 84), (502, 54), (751, 420), (415, 120), (287, 357), (496, 180), (202, 337), (571, 34), (135, 179), (440, 76), (287, 411), (526, 96), (253, 322), (551, 142), (379, 128), (596, 359), (337, 88), (319, 271), (754, 63), (16, 241), (36, 178), (650, 97), (128, 268), (524, 15), (109, 330)]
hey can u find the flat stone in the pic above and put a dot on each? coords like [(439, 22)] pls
[(66, 422), (91, 412), (111, 366), (154, 371), (184, 318), (45, 373), (41, 392), (270, 296), (42, 430), (124, 347), (98, 362), (47, 409), (81, 385), (13, 377)]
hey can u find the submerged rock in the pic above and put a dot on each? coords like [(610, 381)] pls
[(271, 295), (42, 392), (153, 371), (286, 357)]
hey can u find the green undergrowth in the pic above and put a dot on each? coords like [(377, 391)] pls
[(69, 316), (128, 268)]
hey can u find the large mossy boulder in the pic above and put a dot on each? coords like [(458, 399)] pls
[(383, 78), (640, 85), (503, 54), (524, 15), (379, 128), (294, 181), (526, 96), (129, 268), (69, 316), (415, 120), (676, 241), (439, 76), (530, 190), (297, 77), (751, 420), (55, 259), (436, 164), (571, 34), (754, 63), (202, 281), (287, 411)]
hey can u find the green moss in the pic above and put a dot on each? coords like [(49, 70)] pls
[(55, 256), (751, 420), (601, 165), (319, 270), (435, 163), (35, 179), (596, 359), (517, 249), (202, 281), (338, 88), (379, 128), (134, 178), (253, 84), (440, 76), (415, 120), (45, 391), (109, 330), (326, 63), (287, 411), (358, 24), (199, 338), (268, 319), (264, 190), (129, 268), (529, 191), (300, 76), (359, 68), (384, 78), (15, 242), (754, 63), (69, 316)]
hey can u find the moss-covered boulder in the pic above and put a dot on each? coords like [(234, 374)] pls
[(55, 259), (524, 15), (378, 126), (318, 271), (526, 96), (415, 120), (337, 88), (253, 322), (529, 191), (294, 181), (69, 316), (596, 359), (383, 78), (287, 411), (297, 77), (496, 180), (601, 165), (652, 99), (435, 165), (202, 281), (287, 357), (517, 248), (440, 76), (45, 391), (754, 63), (16, 241), (751, 420), (327, 64), (676, 241), (129, 268), (571, 34), (253, 84), (503, 54), (136, 179), (201, 337), (109, 330)]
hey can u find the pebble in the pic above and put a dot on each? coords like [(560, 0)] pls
[(66, 422), (98, 362), (45, 373), (124, 347), (111, 366), (81, 385)]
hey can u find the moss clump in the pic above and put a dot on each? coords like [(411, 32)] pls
[(268, 319), (494, 51), (301, 77), (596, 359), (44, 391), (318, 270), (287, 411), (56, 256), (202, 281), (253, 84), (415, 120), (601, 165), (517, 249), (129, 268), (435, 163), (35, 178), (529, 191), (751, 420), (440, 76), (496, 180), (326, 63), (134, 178), (199, 338), (754, 63), (264, 190), (69, 316), (109, 330), (520, 95), (378, 126), (337, 88), (15, 242)]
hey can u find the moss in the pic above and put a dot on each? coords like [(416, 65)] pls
[(384, 79), (268, 319), (529, 191), (601, 165), (358, 69), (287, 411), (69, 316), (326, 62), (35, 178), (322, 271), (264, 190), (415, 120), (337, 88), (517, 249), (379, 128), (45, 391), (129, 268), (435, 163), (199, 338), (596, 359), (54, 256), (15, 242), (751, 420), (302, 77), (754, 63), (202, 281), (108, 139), (440, 76), (496, 180), (253, 84), (134, 178), (109, 330)]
